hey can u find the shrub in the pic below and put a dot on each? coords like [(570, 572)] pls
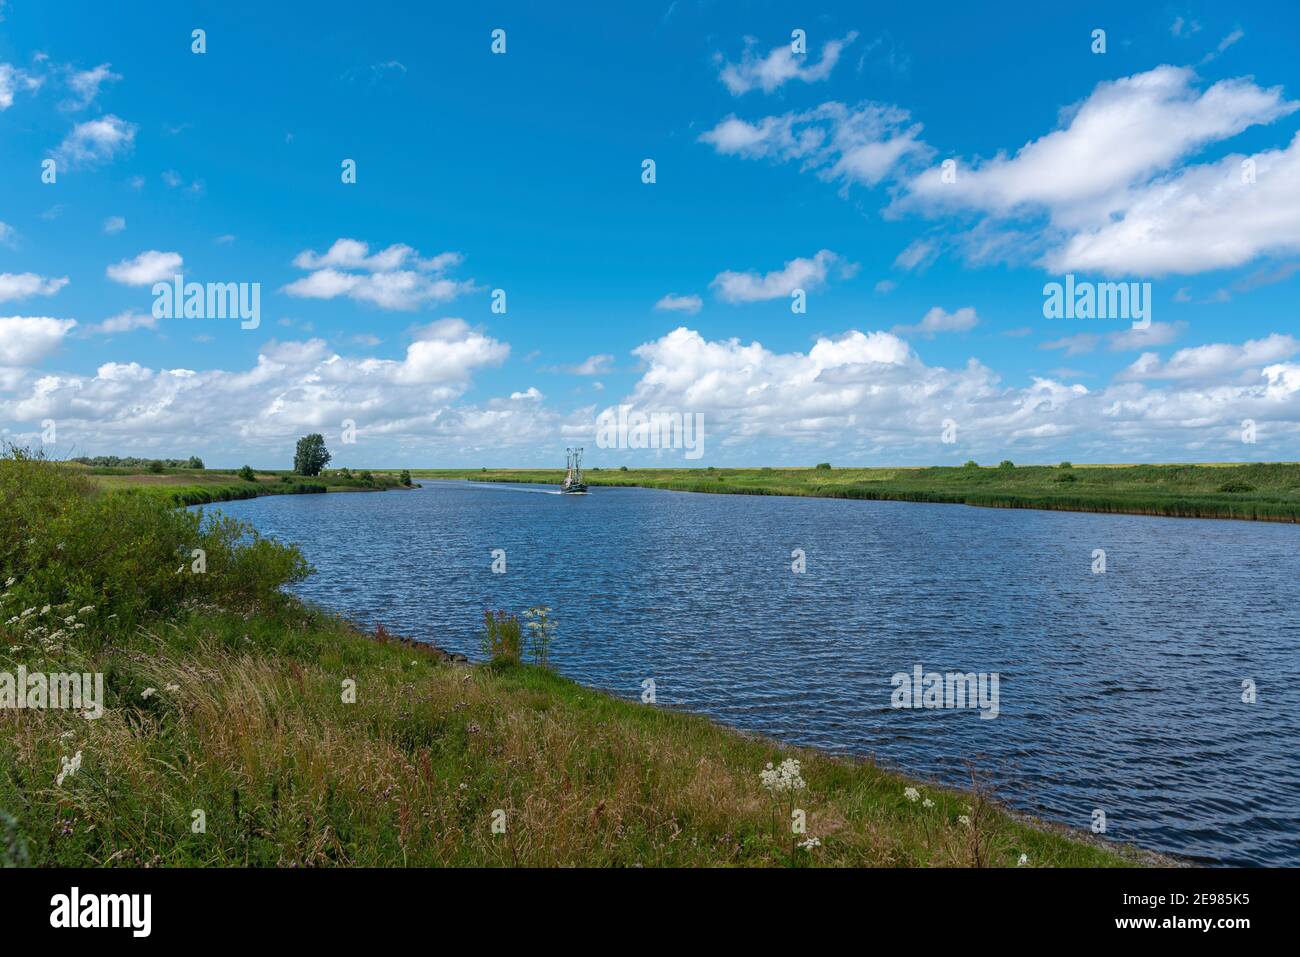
[(405, 478), (502, 637), (622, 468), (824, 466), (156, 467), (246, 473), (971, 464), (129, 555), (1006, 465), (1065, 465), (1236, 487), (1066, 477)]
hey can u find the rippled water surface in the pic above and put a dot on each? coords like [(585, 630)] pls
[(1119, 691)]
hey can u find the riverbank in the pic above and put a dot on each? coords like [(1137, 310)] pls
[(205, 486), (243, 728), (1253, 492)]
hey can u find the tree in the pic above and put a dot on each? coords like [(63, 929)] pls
[(246, 473), (405, 478), (311, 455), (194, 462)]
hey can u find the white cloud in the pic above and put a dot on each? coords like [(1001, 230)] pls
[(1134, 340), (147, 268), (805, 274), (25, 340), (13, 81), (1125, 131), (780, 66), (675, 303), (392, 278), (114, 224), (1077, 345), (96, 141), (124, 322), (85, 86), (1205, 217), (1215, 361), (592, 365), (938, 320), (861, 144), (23, 284)]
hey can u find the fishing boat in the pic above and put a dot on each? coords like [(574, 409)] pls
[(573, 483)]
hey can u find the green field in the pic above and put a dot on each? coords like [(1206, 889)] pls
[(1260, 491), (226, 705), (203, 486)]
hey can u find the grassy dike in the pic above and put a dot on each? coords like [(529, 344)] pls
[(180, 486), (225, 706), (1258, 491)]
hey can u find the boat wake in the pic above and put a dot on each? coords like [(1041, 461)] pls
[(514, 488)]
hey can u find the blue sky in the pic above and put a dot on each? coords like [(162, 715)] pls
[(774, 169)]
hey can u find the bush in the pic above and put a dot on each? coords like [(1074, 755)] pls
[(156, 467), (971, 464), (246, 473), (1006, 465), (405, 478), (129, 555), (824, 466), (1236, 487), (1065, 465), (1066, 477), (502, 637), (622, 468)]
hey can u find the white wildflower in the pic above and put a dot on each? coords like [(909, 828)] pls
[(784, 778), (70, 767), (172, 687), (86, 610), (45, 610), (810, 843), (927, 803), (1024, 859), (912, 794), (10, 583), (148, 692), (964, 820)]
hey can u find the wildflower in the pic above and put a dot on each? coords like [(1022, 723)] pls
[(66, 734), (912, 794), (45, 610), (70, 767), (29, 611), (148, 692), (10, 583), (70, 619), (14, 648), (927, 803), (810, 843), (1024, 859), (172, 687), (86, 610), (784, 778), (963, 820)]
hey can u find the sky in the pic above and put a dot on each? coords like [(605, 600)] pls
[(840, 252)]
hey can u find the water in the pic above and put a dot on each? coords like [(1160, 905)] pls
[(1119, 691)]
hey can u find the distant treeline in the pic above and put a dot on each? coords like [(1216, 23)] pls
[(130, 462)]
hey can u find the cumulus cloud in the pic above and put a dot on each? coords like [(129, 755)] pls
[(1107, 191), (124, 322), (801, 273), (294, 387), (25, 340), (778, 67), (147, 268), (96, 141), (392, 278), (938, 320), (1215, 361), (1156, 334), (859, 144), (871, 395), (23, 284), (675, 303)]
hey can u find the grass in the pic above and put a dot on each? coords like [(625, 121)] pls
[(181, 486), (1257, 491), (228, 705)]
